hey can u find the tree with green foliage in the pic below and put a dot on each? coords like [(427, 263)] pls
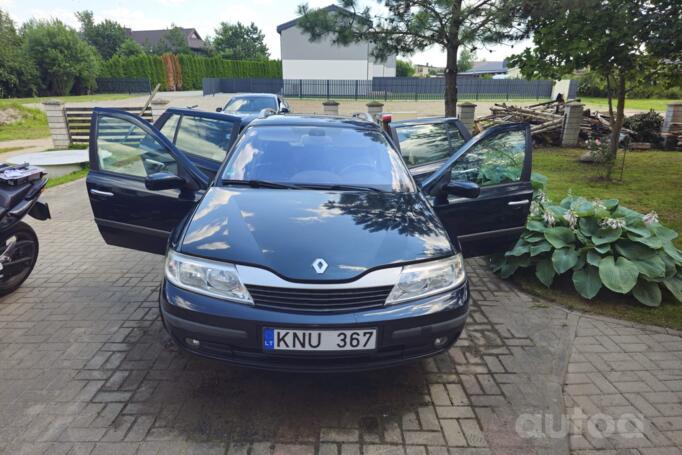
[(65, 63), (628, 43), (240, 42), (466, 60), (408, 26), (174, 41), (107, 36), (18, 74), (130, 48), (403, 68)]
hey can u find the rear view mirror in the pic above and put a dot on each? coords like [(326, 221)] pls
[(163, 181), (463, 189), (219, 109)]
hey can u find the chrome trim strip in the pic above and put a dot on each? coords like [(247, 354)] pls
[(261, 277)]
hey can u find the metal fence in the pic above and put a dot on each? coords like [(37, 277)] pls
[(123, 85), (388, 88)]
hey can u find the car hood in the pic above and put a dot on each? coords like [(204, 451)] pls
[(285, 231)]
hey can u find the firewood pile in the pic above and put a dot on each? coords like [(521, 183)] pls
[(546, 119)]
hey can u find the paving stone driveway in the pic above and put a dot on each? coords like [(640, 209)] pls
[(86, 368)]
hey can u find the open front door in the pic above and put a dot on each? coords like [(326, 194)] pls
[(140, 185), (205, 137), (499, 161)]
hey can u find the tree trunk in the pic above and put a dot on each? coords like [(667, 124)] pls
[(616, 123), (451, 82)]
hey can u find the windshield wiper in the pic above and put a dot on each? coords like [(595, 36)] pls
[(260, 184), (340, 187)]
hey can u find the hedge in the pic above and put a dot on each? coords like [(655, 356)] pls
[(192, 69)]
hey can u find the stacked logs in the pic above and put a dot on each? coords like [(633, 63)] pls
[(546, 119)]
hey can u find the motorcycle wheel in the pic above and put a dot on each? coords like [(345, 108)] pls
[(19, 263)]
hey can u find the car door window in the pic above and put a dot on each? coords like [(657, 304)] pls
[(428, 142), (200, 136), (125, 148), (495, 160)]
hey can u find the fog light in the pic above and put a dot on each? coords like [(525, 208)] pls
[(440, 342), (191, 342)]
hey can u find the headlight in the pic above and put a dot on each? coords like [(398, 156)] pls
[(421, 280), (202, 276)]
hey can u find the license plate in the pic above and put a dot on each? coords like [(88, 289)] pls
[(319, 340)]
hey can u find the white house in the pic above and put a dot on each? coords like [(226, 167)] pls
[(303, 59)]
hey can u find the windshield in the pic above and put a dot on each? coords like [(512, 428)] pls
[(250, 104), (319, 156)]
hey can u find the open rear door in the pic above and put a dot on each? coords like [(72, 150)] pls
[(499, 160)]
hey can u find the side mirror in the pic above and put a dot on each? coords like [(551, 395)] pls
[(219, 109), (463, 189), (284, 110), (163, 181)]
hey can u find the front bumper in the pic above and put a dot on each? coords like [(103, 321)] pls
[(232, 332)]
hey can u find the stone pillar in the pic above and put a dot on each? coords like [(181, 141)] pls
[(573, 117), (56, 120), (330, 107), (466, 114), (159, 106), (375, 108)]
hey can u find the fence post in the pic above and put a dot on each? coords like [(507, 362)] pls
[(508, 84), (159, 106), (300, 88), (356, 89), (478, 85), (466, 113), (56, 121), (672, 125), (573, 117), (375, 108), (327, 88)]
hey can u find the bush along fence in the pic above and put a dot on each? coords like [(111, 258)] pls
[(185, 72), (384, 88), (124, 85)]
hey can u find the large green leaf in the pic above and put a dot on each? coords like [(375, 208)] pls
[(583, 207), (663, 232), (674, 285), (537, 226), (619, 275), (538, 181), (593, 258), (673, 252), (544, 271), (606, 235), (559, 236), (634, 250), (603, 249), (519, 249), (589, 226), (508, 268), (670, 266), (610, 204), (652, 267), (638, 227), (652, 242), (647, 293), (587, 282), (540, 248), (564, 259)]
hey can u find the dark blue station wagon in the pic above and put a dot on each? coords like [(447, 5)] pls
[(309, 243)]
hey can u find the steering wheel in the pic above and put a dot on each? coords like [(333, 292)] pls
[(357, 166)]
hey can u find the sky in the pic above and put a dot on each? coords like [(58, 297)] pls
[(205, 15)]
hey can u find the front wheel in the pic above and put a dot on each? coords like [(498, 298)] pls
[(18, 256)]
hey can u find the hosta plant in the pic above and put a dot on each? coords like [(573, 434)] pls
[(601, 244)]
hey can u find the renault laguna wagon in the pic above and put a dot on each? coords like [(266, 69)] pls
[(309, 243)]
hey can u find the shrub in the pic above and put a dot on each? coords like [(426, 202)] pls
[(647, 126), (602, 244)]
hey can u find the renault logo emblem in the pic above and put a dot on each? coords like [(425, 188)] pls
[(320, 265)]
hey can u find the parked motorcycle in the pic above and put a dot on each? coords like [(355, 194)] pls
[(20, 188)]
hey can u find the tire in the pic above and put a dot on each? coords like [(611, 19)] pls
[(21, 260)]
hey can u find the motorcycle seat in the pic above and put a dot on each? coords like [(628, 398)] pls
[(10, 196)]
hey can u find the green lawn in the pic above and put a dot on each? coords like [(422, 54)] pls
[(651, 181), (67, 178), (33, 125), (658, 105)]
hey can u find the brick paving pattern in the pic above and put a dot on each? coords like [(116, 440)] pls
[(86, 368)]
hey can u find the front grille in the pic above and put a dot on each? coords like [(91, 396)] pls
[(319, 300)]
